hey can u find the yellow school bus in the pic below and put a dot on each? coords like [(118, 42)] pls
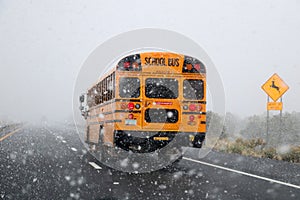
[(145, 101)]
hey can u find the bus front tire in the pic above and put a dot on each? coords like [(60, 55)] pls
[(197, 143)]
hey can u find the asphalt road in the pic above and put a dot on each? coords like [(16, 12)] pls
[(50, 162)]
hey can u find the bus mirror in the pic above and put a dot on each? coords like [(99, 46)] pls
[(81, 98)]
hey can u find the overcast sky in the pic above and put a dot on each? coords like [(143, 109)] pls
[(44, 43)]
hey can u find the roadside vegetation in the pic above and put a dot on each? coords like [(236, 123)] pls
[(2, 125), (8, 125), (256, 148), (248, 136)]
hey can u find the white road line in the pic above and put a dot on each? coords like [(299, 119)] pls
[(95, 165), (244, 173)]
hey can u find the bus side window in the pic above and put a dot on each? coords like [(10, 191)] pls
[(105, 89), (88, 100), (108, 89), (114, 85), (101, 91), (95, 94), (91, 98), (104, 94), (111, 88)]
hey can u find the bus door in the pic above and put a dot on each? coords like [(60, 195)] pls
[(161, 106)]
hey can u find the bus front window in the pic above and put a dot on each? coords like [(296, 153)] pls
[(162, 88), (193, 89)]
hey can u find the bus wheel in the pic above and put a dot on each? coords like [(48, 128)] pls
[(100, 139), (92, 147), (197, 143), (177, 160), (101, 133)]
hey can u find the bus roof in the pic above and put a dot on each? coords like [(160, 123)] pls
[(157, 63), (161, 62)]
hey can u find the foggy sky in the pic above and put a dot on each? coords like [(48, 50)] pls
[(44, 43)]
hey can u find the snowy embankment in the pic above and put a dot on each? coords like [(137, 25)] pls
[(6, 127)]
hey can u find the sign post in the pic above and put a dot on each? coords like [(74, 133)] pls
[(275, 87), (268, 115)]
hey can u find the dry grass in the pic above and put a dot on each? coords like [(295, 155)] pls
[(255, 147)]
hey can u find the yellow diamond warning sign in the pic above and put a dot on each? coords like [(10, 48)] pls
[(275, 87)]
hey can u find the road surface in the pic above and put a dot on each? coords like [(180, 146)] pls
[(50, 162)]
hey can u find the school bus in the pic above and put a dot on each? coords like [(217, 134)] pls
[(145, 101)]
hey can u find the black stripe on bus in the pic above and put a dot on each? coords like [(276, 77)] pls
[(94, 116), (121, 111), (203, 122), (128, 111), (93, 123), (129, 100), (113, 121), (115, 100), (116, 111), (203, 102), (136, 100), (106, 121), (194, 113)]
